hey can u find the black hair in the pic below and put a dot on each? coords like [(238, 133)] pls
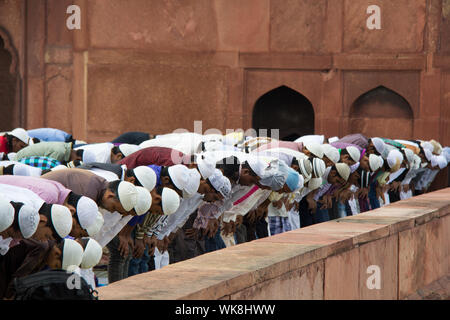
[(159, 190), (36, 140), (9, 139), (9, 170), (73, 199), (114, 187), (245, 165), (344, 152), (130, 173), (165, 173), (79, 152), (16, 206), (46, 211), (230, 167), (116, 150), (84, 242)]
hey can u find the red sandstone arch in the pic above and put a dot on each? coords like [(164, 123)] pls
[(285, 109), (382, 112)]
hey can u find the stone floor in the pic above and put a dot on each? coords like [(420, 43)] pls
[(438, 290)]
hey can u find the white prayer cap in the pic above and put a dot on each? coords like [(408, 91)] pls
[(170, 201), (146, 177), (88, 156), (378, 144), (409, 156), (315, 149), (11, 156), (179, 175), (427, 145), (314, 183), (276, 175), (20, 134), (206, 165), (318, 167), (331, 152), (305, 168), (87, 211), (92, 254), (375, 162), (354, 153), (144, 201), (128, 149), (313, 138), (437, 147), (72, 255), (95, 227), (442, 162), (354, 167), (127, 195), (394, 159), (428, 154), (258, 166), (6, 214), (61, 219), (28, 220), (333, 139), (193, 182), (220, 183), (343, 170)]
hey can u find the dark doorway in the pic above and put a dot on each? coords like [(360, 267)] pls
[(284, 109), (382, 112), (8, 83)]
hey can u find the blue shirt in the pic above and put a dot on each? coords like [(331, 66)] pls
[(49, 134), (139, 219)]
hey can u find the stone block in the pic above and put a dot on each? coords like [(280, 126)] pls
[(342, 276), (243, 26), (158, 25), (394, 21), (382, 253), (297, 25), (304, 283)]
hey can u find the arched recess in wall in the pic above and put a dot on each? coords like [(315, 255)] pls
[(382, 112), (9, 104), (285, 109)]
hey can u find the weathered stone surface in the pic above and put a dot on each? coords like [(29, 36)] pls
[(59, 97), (143, 96), (382, 253), (342, 276), (394, 21), (169, 25), (304, 283), (243, 26), (297, 25), (327, 260)]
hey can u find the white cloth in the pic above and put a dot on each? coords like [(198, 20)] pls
[(21, 169), (89, 276), (187, 143), (113, 223), (4, 245), (294, 218), (19, 194), (102, 151), (161, 259)]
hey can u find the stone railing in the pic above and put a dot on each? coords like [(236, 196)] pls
[(403, 246)]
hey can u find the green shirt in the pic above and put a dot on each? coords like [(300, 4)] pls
[(56, 150)]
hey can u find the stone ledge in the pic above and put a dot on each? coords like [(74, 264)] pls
[(242, 271)]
